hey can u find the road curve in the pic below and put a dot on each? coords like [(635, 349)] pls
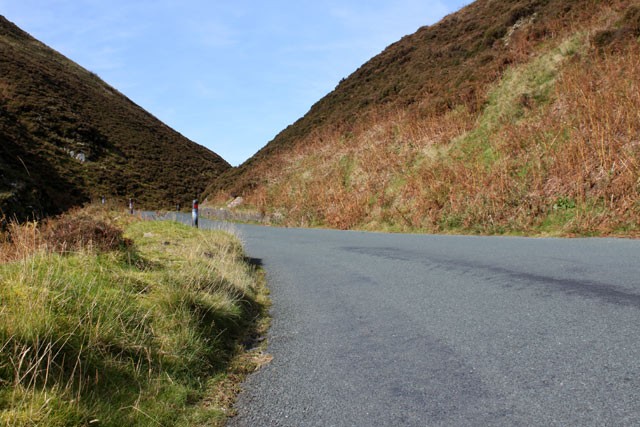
[(416, 330)]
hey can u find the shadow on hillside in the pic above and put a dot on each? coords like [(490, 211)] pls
[(31, 185)]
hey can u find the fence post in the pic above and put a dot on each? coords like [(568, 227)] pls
[(194, 213), (131, 206)]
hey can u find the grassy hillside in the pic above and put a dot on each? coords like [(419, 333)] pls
[(508, 116), (66, 136), (141, 328)]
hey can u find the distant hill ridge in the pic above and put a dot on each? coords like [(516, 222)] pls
[(66, 137), (484, 122)]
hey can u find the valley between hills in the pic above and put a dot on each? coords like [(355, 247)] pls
[(507, 117)]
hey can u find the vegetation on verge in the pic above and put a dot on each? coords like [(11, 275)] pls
[(144, 327)]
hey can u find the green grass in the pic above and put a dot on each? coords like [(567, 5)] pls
[(520, 89), (141, 336)]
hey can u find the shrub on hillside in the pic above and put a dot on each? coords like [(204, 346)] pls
[(80, 231), (88, 229)]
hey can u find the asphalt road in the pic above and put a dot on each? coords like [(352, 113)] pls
[(408, 330)]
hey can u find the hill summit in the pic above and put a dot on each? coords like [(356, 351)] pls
[(66, 137), (507, 116)]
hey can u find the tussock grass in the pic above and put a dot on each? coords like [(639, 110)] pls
[(139, 334)]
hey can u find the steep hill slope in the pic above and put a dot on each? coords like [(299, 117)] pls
[(66, 136), (509, 115)]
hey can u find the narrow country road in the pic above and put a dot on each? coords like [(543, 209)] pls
[(407, 330)]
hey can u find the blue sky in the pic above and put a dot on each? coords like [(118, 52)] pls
[(230, 74)]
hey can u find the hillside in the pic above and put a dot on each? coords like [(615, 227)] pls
[(66, 137), (507, 116)]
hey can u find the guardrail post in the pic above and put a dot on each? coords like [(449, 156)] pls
[(194, 213)]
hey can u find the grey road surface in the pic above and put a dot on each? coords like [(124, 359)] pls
[(408, 330)]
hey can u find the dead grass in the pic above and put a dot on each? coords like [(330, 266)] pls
[(553, 147), (90, 229)]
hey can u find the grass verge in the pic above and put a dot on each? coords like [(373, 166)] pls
[(148, 331)]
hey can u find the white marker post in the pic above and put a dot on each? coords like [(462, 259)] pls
[(194, 213), (131, 206)]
